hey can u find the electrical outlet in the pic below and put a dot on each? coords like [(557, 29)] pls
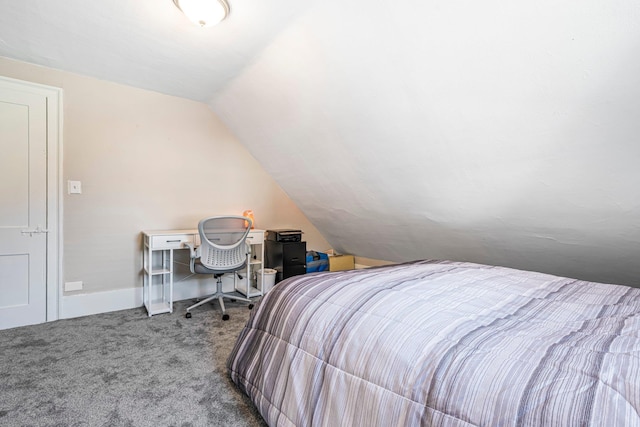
[(73, 286)]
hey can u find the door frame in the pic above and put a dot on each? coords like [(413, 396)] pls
[(54, 187)]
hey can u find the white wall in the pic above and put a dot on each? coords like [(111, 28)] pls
[(496, 132), (147, 161)]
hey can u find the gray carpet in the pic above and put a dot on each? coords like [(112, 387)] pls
[(124, 369)]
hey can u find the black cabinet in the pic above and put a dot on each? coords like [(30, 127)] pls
[(287, 258)]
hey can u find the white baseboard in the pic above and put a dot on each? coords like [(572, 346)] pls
[(123, 299), (99, 302)]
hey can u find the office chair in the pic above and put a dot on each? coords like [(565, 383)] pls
[(223, 249)]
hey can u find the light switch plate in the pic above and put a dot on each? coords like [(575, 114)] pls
[(74, 187)]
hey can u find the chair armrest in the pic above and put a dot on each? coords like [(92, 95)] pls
[(193, 253)]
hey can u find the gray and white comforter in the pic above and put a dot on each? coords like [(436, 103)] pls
[(443, 344)]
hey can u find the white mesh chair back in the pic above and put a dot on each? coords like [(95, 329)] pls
[(223, 242)]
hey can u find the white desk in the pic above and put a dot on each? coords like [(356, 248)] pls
[(158, 271)]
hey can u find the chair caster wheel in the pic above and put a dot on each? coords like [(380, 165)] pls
[(225, 317), (188, 315), (250, 306)]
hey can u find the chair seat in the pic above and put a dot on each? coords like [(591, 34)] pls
[(201, 269)]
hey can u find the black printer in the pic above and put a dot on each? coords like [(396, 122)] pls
[(284, 235)]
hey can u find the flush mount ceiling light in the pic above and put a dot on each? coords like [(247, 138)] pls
[(203, 12)]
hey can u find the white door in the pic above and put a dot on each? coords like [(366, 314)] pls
[(23, 207)]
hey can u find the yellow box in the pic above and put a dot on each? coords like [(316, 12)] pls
[(341, 262)]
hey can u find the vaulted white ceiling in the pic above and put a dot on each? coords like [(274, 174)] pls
[(497, 132)]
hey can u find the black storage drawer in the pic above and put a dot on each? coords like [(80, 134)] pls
[(293, 270), (287, 258)]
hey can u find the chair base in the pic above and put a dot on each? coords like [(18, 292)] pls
[(219, 295)]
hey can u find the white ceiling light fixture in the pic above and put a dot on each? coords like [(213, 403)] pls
[(203, 12)]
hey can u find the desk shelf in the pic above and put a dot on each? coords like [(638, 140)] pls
[(160, 307), (251, 292), (254, 265), (157, 272)]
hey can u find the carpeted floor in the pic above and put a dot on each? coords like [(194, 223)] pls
[(124, 369)]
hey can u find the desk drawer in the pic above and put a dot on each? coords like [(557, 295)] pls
[(173, 241), (255, 237)]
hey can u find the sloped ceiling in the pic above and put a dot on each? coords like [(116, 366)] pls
[(498, 132)]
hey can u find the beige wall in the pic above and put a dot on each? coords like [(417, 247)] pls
[(147, 161)]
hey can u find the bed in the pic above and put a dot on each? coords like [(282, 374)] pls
[(442, 343)]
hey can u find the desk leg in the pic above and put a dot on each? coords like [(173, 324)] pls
[(148, 279), (171, 281)]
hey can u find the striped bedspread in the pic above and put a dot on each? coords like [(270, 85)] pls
[(443, 344)]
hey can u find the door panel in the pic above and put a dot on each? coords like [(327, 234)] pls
[(23, 208), (14, 163), (14, 280)]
